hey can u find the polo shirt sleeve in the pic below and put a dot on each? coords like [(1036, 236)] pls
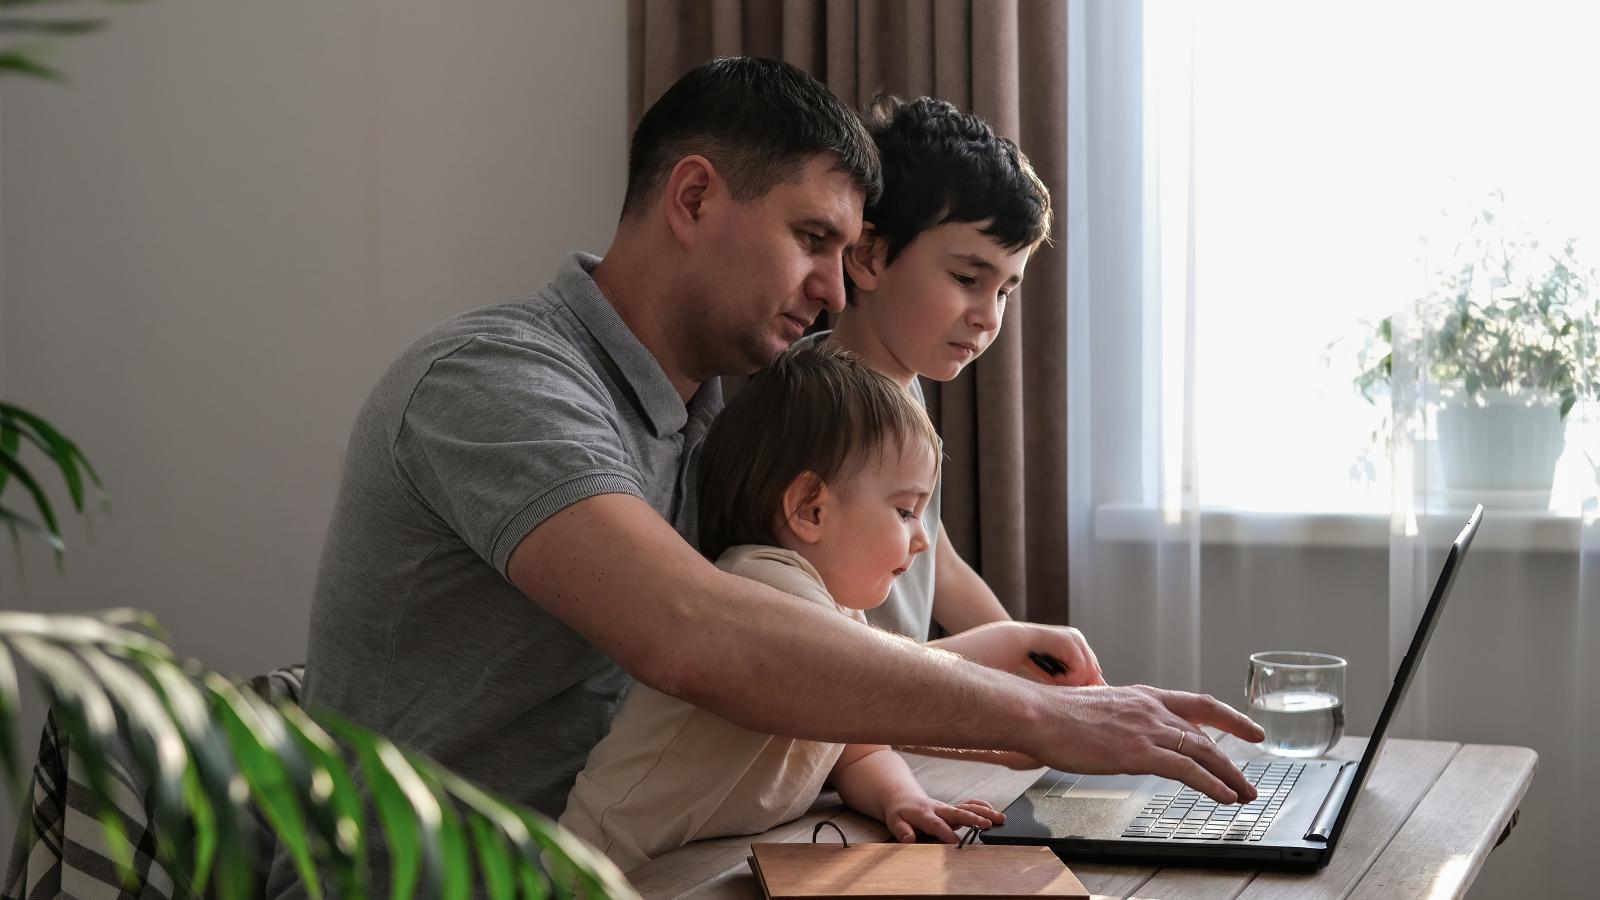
[(499, 435)]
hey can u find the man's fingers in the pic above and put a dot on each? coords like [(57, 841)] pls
[(1181, 768), (1205, 753), (1204, 709)]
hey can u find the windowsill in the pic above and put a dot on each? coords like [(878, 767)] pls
[(1513, 530)]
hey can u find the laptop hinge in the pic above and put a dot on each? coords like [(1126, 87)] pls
[(1328, 812)]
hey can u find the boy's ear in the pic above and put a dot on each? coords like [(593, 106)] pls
[(866, 259), (804, 504)]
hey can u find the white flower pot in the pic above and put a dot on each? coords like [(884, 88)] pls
[(1501, 443)]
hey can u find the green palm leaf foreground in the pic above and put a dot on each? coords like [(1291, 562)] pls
[(211, 753)]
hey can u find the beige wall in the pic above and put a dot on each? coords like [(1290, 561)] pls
[(230, 220), (223, 228)]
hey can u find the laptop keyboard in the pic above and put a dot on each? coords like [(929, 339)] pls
[(1192, 816)]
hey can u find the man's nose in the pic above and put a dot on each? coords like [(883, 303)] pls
[(825, 285)]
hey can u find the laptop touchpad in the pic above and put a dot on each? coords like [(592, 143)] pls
[(1101, 787)]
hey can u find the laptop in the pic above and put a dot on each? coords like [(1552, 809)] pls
[(1301, 809)]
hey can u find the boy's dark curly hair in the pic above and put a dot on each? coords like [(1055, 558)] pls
[(944, 165)]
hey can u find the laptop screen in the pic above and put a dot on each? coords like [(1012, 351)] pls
[(1408, 665)]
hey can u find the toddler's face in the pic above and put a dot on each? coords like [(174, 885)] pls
[(871, 528)]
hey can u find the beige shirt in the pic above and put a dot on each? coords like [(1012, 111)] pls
[(670, 772)]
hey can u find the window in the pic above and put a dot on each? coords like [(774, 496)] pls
[(1306, 167)]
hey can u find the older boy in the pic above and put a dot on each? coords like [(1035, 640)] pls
[(941, 252)]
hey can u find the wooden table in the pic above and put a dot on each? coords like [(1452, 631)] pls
[(1431, 813)]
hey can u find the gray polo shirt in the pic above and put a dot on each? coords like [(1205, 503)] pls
[(491, 423)]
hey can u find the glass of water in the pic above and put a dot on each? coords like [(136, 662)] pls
[(1298, 700)]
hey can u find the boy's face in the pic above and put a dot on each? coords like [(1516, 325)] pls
[(941, 302), (869, 526)]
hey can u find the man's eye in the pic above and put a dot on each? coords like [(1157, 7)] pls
[(964, 280), (812, 240)]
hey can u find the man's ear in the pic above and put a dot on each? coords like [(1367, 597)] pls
[(866, 259), (805, 503), (690, 184)]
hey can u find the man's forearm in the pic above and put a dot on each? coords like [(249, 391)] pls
[(775, 663), (753, 654)]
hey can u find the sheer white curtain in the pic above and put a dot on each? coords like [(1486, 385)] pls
[(1256, 189)]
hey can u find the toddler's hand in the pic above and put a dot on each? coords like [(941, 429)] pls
[(907, 814)]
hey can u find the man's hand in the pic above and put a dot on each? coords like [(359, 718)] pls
[(1143, 730), (1006, 645)]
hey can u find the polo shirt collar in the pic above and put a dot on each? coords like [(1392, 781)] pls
[(652, 390)]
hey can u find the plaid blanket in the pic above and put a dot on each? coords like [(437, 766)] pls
[(61, 849)]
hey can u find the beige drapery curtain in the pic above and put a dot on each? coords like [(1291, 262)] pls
[(1004, 420)]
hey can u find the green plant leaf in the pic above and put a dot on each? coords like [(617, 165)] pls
[(40, 501), (494, 858), (155, 738), (90, 722), (151, 733), (58, 447), (22, 62), (456, 876), (217, 793), (15, 4), (207, 747), (10, 443), (410, 817), (203, 850), (15, 521), (10, 705), (571, 862), (78, 629), (53, 27), (525, 859), (123, 616), (182, 816), (335, 804), (271, 764)]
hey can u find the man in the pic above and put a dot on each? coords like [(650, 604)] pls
[(508, 546)]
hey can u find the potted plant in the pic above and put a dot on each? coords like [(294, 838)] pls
[(1504, 346)]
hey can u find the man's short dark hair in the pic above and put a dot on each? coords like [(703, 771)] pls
[(817, 408), (944, 165), (758, 121)]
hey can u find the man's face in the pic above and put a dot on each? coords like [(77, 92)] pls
[(941, 302), (770, 266)]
